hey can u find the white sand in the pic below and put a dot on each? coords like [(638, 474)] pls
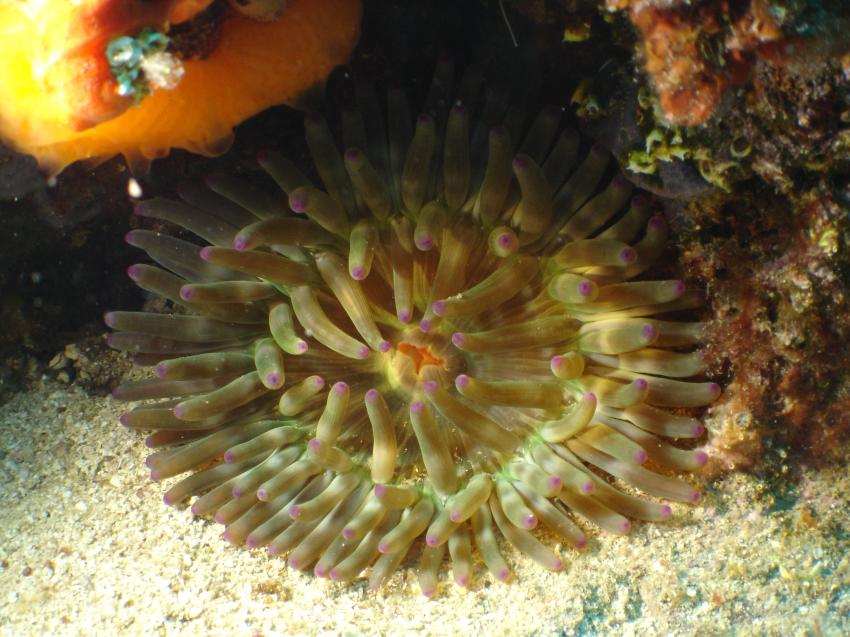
[(88, 548)]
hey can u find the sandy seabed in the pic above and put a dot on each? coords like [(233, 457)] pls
[(88, 548)]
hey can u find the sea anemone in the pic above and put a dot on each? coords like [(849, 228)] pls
[(94, 78), (443, 341)]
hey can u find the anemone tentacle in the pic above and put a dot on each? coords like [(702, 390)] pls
[(440, 338)]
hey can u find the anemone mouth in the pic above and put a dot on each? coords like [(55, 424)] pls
[(444, 340)]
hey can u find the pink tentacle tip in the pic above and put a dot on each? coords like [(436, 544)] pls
[(298, 201), (458, 339), (432, 540), (621, 182), (358, 273), (273, 380), (124, 419), (372, 396), (700, 457), (428, 592), (404, 316), (263, 495), (363, 352), (109, 319), (581, 542), (380, 490), (587, 487), (454, 516), (462, 580), (237, 492), (639, 456), (352, 154), (384, 346), (656, 223), (179, 410), (134, 271), (424, 243), (714, 389), (425, 325), (625, 526), (585, 288), (205, 253), (649, 331), (698, 429), (240, 243), (416, 407), (220, 519), (557, 361), (128, 237), (347, 533), (505, 240), (590, 396), (320, 571), (340, 388), (195, 509), (679, 288), (439, 307), (229, 457), (529, 521), (251, 542), (461, 381), (666, 510), (503, 575), (293, 561), (430, 386), (554, 483), (162, 370), (383, 547), (640, 384), (319, 382), (271, 550), (315, 444), (186, 292), (628, 255), (695, 497), (520, 162), (557, 565), (167, 499)]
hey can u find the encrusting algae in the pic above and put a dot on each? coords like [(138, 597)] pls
[(442, 341), (62, 101)]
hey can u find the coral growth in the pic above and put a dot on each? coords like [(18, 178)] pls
[(70, 73), (444, 342), (694, 52)]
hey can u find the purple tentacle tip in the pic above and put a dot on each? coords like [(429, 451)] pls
[(700, 457), (371, 396), (298, 201), (205, 253), (424, 243), (229, 457), (521, 162), (628, 255), (649, 331), (461, 381), (363, 352), (430, 386), (505, 240), (161, 370), (458, 339), (425, 325), (124, 420), (416, 407), (666, 510), (439, 307), (385, 346), (404, 316), (585, 288), (432, 540), (340, 387), (134, 271), (109, 319), (240, 243), (251, 541), (186, 292), (383, 547), (358, 273), (679, 288)]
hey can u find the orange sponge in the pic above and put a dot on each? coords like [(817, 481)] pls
[(60, 102)]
